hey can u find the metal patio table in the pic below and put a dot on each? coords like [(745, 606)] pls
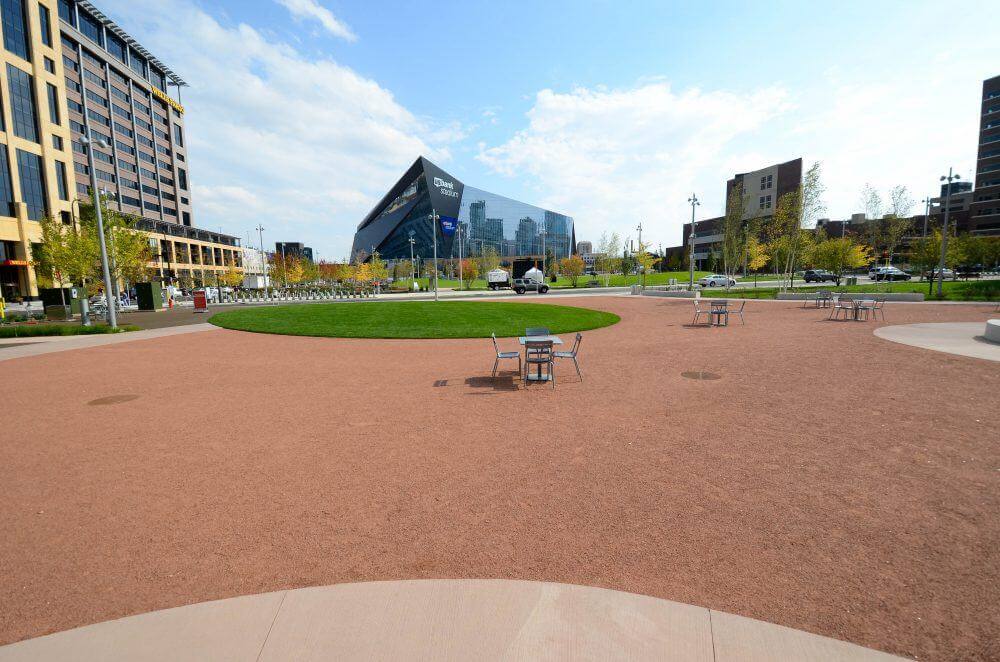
[(719, 310), (556, 340)]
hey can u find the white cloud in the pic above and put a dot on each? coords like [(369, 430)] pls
[(311, 9), (613, 157), (303, 146)]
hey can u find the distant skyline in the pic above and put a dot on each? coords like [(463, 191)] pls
[(302, 113)]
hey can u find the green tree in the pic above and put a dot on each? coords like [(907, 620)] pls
[(572, 267), (645, 261), (489, 260), (607, 260), (838, 255), (734, 232)]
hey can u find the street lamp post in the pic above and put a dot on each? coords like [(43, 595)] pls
[(413, 264), (542, 234), (434, 221), (927, 213), (694, 203), (944, 230), (90, 142), (461, 279), (263, 261)]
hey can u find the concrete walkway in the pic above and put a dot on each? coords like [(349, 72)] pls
[(962, 338), (15, 348), (462, 619)]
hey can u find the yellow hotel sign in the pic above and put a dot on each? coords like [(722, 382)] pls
[(164, 98)]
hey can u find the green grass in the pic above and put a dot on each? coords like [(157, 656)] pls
[(412, 319), (32, 330), (985, 290)]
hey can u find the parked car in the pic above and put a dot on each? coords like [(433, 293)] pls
[(820, 276), (970, 271), (933, 273), (522, 285), (889, 273), (716, 280)]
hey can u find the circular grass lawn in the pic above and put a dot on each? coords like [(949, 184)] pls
[(412, 319)]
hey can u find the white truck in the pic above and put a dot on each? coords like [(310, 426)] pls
[(497, 279)]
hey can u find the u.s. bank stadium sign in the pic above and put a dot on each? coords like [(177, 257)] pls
[(445, 188)]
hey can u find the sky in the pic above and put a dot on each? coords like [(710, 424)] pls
[(302, 113)]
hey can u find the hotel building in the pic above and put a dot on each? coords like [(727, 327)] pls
[(70, 71), (985, 206)]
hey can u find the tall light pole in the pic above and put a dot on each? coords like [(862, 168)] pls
[(90, 142), (434, 221), (263, 261), (542, 234), (460, 274), (413, 264), (927, 213), (694, 203), (944, 229)]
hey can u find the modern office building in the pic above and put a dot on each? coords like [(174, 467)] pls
[(481, 220), (69, 71), (293, 249), (584, 247), (121, 93), (35, 160), (984, 210), (761, 191)]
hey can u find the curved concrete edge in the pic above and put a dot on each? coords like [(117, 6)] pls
[(960, 338), (438, 619)]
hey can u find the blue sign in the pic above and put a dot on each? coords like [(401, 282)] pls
[(448, 225)]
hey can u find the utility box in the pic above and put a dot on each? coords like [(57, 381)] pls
[(149, 296)]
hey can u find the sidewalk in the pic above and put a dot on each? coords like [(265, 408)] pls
[(439, 619), (15, 348)]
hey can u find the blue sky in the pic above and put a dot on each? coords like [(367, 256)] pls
[(302, 112)]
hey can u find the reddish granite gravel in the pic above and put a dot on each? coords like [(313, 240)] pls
[(829, 481)]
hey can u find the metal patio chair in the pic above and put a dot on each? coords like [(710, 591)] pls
[(698, 312), (879, 307), (572, 355), (842, 306), (535, 331), (739, 311), (539, 353), (866, 308), (504, 355)]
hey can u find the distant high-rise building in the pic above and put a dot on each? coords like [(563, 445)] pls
[(984, 210), (584, 247), (293, 249)]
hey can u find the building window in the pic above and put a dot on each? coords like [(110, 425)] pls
[(178, 135), (156, 78), (105, 176), (186, 217), (6, 188), (124, 130), (125, 165), (61, 180), (53, 104), (70, 63), (117, 48), (91, 28), (75, 105), (182, 179), (73, 85), (57, 143), (15, 28), (29, 167), (94, 78), (120, 112), (97, 98), (22, 103), (45, 23), (66, 12), (97, 117), (50, 65), (138, 64)]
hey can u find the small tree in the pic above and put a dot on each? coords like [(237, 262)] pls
[(607, 259), (838, 255), (572, 267), (377, 267), (489, 260), (645, 261), (232, 277), (470, 272), (734, 234)]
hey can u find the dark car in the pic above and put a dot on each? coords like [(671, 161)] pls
[(820, 276), (522, 285)]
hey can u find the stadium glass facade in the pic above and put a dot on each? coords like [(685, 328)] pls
[(471, 220)]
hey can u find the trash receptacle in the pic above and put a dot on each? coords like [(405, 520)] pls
[(852, 280), (149, 296), (636, 289)]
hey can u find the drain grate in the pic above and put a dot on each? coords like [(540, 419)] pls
[(700, 374), (113, 399)]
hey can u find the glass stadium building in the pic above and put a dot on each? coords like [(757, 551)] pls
[(476, 218)]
